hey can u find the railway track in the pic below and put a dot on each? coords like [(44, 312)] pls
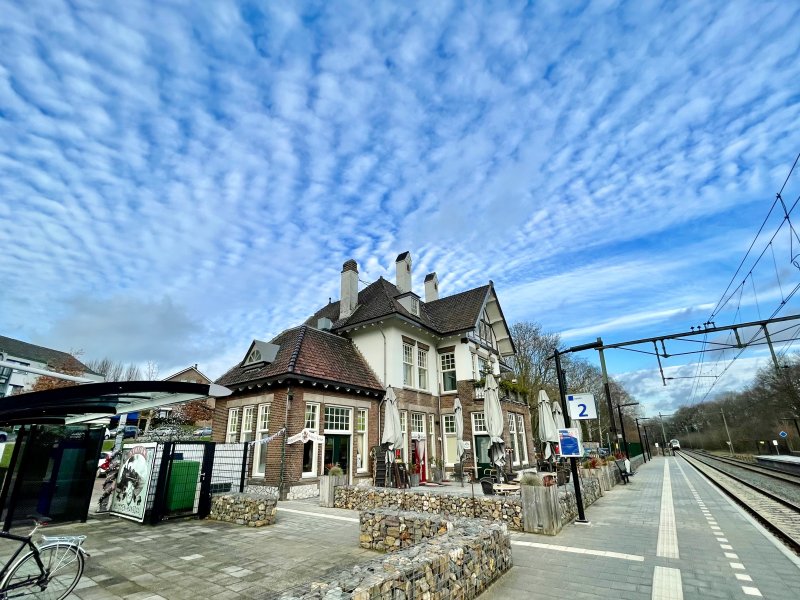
[(779, 515), (753, 468)]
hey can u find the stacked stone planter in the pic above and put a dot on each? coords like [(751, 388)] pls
[(507, 509), (244, 509), (327, 487), (455, 559)]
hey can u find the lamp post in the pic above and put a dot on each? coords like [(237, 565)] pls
[(622, 426), (641, 440)]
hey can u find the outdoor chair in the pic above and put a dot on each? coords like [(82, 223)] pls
[(487, 486), (623, 470)]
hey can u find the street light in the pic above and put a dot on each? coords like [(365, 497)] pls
[(641, 441), (622, 425)]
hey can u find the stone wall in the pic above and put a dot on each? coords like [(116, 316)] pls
[(459, 563), (243, 509), (390, 531), (507, 509)]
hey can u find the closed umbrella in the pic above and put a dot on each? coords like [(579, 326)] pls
[(392, 430), (459, 411), (494, 423), (548, 433), (558, 416)]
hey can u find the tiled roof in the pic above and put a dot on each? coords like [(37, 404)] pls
[(451, 314), (48, 356), (309, 352)]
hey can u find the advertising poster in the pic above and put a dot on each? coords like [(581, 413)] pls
[(570, 442), (129, 498)]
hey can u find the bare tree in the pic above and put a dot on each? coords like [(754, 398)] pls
[(67, 365)]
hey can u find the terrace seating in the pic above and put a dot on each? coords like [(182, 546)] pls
[(487, 486)]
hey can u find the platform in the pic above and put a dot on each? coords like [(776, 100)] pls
[(669, 534), (785, 463)]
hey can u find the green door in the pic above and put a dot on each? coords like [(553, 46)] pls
[(482, 445), (337, 451)]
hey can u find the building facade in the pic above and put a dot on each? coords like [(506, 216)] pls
[(430, 351), (16, 352)]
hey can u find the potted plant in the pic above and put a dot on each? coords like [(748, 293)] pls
[(327, 484), (414, 475), (437, 469), (538, 506)]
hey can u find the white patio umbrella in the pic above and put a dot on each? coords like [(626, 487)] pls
[(548, 433), (460, 449), (558, 416), (392, 430), (494, 423)]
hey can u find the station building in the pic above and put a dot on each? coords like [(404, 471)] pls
[(324, 382)]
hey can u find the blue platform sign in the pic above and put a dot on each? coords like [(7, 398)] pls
[(783, 434), (569, 442)]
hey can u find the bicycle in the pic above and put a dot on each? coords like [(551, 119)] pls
[(47, 571)]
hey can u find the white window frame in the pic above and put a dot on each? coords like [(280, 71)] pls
[(512, 434), (446, 357), (363, 447), (422, 369), (246, 434), (408, 365), (232, 429), (312, 424), (432, 436), (262, 431), (475, 420), (521, 434), (404, 427), (339, 410), (447, 433)]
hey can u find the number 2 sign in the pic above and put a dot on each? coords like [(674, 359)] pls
[(581, 406)]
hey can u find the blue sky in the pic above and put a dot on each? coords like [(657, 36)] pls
[(179, 178)]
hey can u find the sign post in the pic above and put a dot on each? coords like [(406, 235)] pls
[(573, 463)]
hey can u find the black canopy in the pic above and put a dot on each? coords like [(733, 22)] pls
[(91, 401)]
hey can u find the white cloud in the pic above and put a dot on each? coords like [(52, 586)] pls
[(604, 167)]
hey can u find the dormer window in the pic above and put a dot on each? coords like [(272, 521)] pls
[(260, 353), (414, 306), (410, 301)]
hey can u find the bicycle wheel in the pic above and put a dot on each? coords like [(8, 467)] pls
[(63, 564)]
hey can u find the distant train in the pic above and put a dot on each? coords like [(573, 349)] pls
[(675, 444)]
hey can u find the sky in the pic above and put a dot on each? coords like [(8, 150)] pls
[(179, 178)]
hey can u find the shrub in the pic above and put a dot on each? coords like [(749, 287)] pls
[(335, 471), (531, 479)]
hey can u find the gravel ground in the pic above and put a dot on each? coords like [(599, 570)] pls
[(784, 489)]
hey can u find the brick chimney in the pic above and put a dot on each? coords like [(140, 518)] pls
[(349, 297), (403, 266), (431, 287)]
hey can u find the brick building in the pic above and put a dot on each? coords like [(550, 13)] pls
[(329, 376)]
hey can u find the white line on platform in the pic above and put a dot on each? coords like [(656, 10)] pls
[(316, 514), (667, 584), (667, 546), (574, 550)]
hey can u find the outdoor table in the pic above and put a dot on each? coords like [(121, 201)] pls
[(505, 488)]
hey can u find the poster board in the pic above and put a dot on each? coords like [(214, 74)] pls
[(569, 441), (129, 499)]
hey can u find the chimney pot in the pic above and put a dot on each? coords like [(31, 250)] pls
[(431, 287), (349, 294), (403, 272)]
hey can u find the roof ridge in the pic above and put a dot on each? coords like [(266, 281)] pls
[(296, 352), (488, 285)]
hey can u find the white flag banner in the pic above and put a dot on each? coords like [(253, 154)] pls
[(268, 439), (307, 435)]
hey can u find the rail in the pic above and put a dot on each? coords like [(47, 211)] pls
[(779, 515)]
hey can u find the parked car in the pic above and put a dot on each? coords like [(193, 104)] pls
[(109, 433), (603, 452), (102, 463), (165, 431), (203, 432), (131, 431)]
